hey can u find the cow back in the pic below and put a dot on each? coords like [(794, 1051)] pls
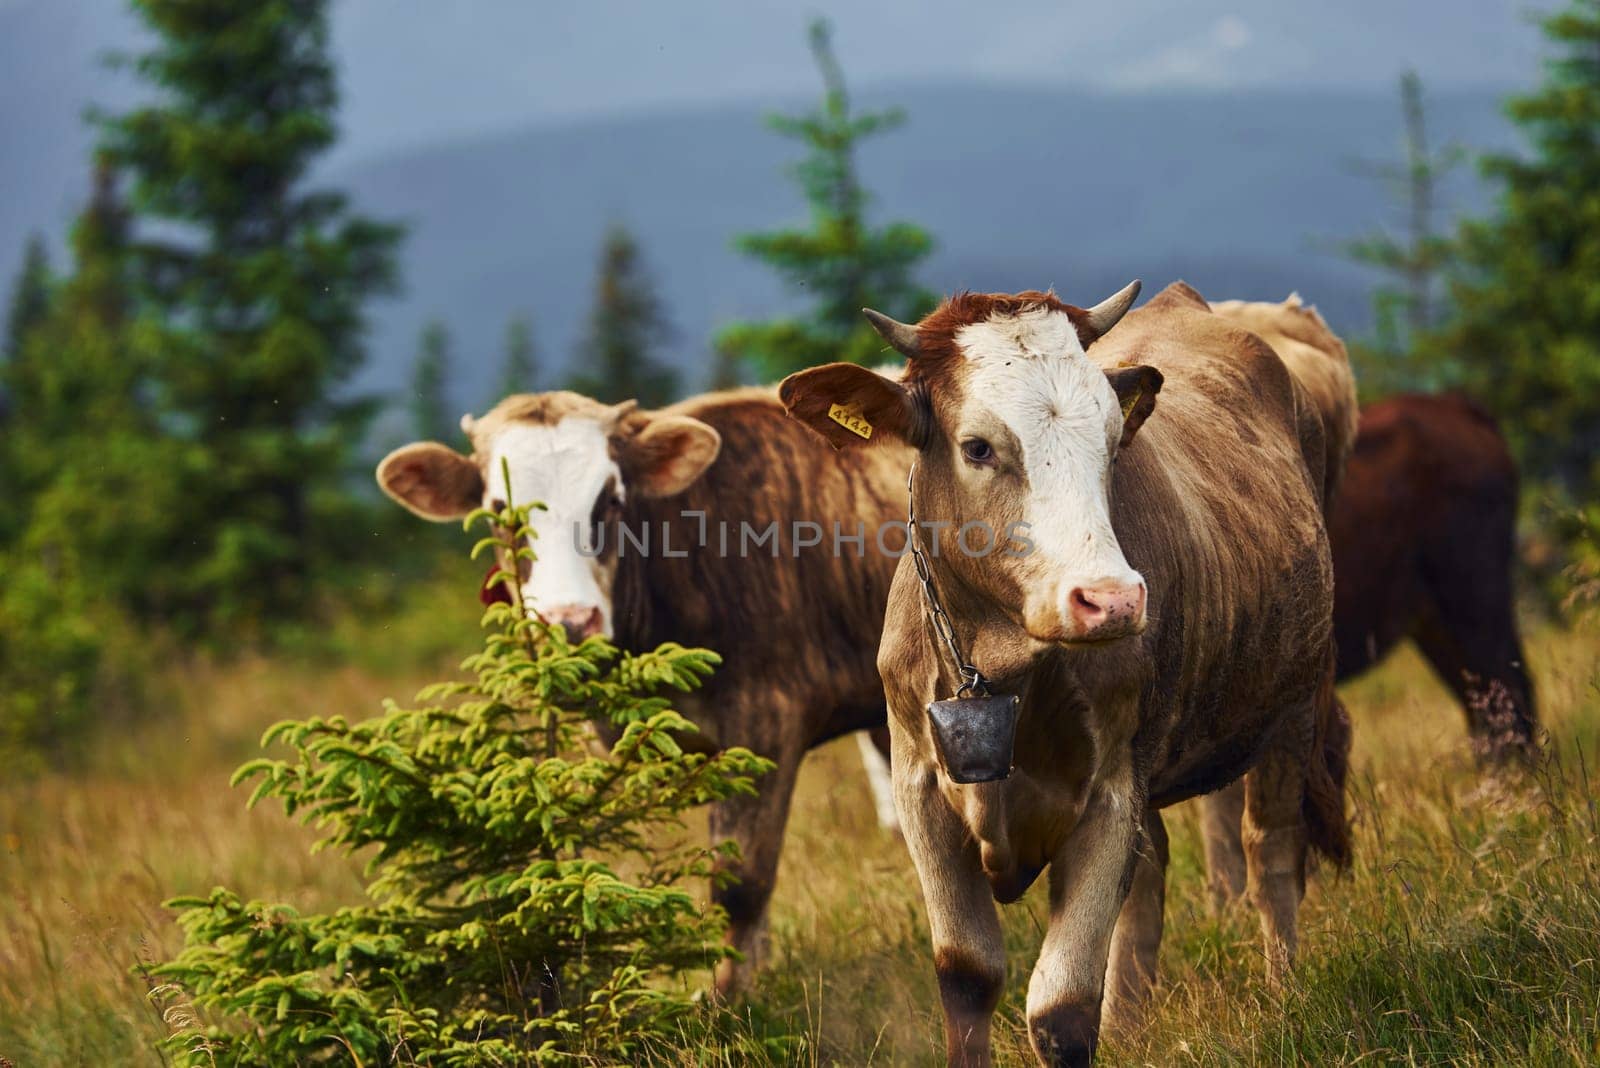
[(800, 622), (1317, 358)]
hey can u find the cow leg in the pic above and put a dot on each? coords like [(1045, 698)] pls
[(969, 955), (1089, 881), (1136, 942), (755, 825), (874, 747), (1220, 816), (1275, 844)]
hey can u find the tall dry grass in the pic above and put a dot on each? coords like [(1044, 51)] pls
[(1467, 932)]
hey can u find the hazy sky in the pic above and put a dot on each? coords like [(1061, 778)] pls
[(418, 70), (415, 66)]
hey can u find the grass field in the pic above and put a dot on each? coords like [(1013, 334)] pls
[(1468, 931)]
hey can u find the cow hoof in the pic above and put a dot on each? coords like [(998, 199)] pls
[(1065, 1036)]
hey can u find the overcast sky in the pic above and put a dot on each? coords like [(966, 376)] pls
[(420, 70), (414, 66), (417, 72)]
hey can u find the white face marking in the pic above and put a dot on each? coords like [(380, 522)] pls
[(1030, 372), (566, 467)]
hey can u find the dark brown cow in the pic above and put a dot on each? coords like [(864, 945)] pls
[(1423, 541), (1203, 654), (717, 485)]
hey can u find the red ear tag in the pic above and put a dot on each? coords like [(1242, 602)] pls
[(492, 592)]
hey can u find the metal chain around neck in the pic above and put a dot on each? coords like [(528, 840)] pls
[(972, 681)]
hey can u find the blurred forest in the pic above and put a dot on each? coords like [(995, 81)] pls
[(184, 457)]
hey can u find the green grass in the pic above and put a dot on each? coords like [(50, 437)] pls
[(1467, 932)]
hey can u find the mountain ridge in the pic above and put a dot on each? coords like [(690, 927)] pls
[(1020, 187)]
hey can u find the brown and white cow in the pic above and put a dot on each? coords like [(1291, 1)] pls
[(1317, 359), (719, 483), (1169, 631)]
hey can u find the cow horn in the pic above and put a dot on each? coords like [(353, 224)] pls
[(902, 338), (1103, 316), (620, 411)]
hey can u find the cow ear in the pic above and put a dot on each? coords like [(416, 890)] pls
[(850, 406), (432, 480), (1136, 388), (665, 454)]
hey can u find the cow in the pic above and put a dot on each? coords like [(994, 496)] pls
[(1316, 357), (1165, 624), (767, 550), (1423, 548), (1423, 539)]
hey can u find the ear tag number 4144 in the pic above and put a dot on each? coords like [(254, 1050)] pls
[(851, 419)]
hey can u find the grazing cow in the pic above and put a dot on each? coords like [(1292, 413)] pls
[(1423, 544), (1167, 628), (766, 549)]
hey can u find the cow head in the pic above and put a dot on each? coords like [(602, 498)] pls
[(582, 460), (1015, 425)]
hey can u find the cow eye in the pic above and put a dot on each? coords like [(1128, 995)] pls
[(978, 452)]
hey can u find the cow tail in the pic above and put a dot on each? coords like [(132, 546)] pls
[(1327, 821)]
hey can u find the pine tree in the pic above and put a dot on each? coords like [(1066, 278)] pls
[(28, 309), (727, 370), (617, 356), (841, 263), (73, 377), (430, 378), (1407, 308), (526, 900), (87, 534), (30, 297), (519, 373), (1524, 320), (253, 283)]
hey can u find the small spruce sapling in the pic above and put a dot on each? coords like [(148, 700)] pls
[(524, 899)]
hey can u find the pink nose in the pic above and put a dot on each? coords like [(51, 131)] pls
[(1106, 611), (579, 621)]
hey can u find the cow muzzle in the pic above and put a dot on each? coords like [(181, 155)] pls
[(1088, 612), (1104, 611), (578, 621)]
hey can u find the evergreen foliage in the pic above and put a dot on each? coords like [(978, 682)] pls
[(1525, 321), (30, 297), (430, 377), (519, 371), (840, 264), (617, 357), (249, 289), (1406, 306), (91, 487), (727, 370), (27, 310), (525, 901)]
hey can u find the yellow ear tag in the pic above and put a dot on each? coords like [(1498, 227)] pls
[(1132, 402), (850, 419)]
